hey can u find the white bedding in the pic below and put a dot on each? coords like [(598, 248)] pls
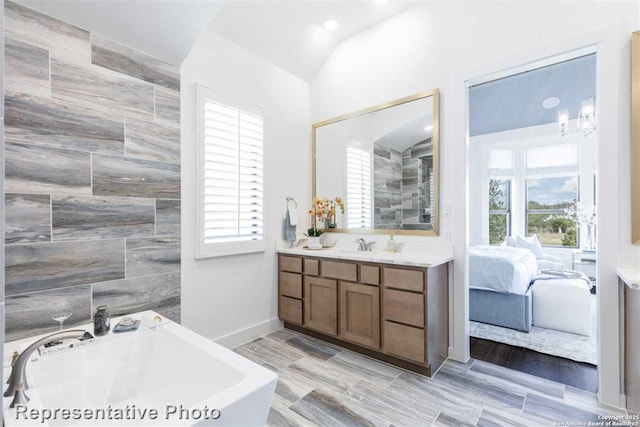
[(501, 268)]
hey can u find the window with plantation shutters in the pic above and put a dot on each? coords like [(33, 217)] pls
[(358, 187), (231, 178)]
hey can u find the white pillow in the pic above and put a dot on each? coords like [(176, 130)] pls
[(532, 243), (511, 242)]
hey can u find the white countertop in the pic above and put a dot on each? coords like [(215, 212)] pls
[(630, 277), (422, 259)]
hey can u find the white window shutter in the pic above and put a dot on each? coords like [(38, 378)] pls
[(358, 187), (231, 182)]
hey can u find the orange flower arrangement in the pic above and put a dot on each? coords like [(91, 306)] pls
[(323, 210)]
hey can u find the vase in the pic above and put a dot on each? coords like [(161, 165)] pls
[(314, 242), (330, 222)]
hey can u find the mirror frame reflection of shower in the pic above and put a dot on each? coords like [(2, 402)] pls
[(384, 162)]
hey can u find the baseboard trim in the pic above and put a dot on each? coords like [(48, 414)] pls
[(621, 404), (454, 354), (250, 333)]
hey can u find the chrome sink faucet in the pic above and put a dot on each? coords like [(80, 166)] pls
[(364, 246), (18, 380)]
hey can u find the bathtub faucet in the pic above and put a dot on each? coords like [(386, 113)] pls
[(18, 380)]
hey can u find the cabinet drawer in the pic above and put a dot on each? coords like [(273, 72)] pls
[(290, 310), (311, 267), (404, 341), (404, 307), (369, 274), (291, 284), (411, 280), (339, 270), (289, 263)]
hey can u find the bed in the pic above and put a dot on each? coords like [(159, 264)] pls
[(499, 286)]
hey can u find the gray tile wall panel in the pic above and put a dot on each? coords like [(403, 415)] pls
[(120, 176), (167, 217), (60, 124), (160, 292), (26, 68), (27, 218), (92, 175), (30, 314), (114, 56), (148, 256), (75, 218), (34, 267), (45, 170)]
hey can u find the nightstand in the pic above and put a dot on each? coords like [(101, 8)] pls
[(584, 261)]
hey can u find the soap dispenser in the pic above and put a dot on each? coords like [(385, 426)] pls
[(392, 245), (101, 321)]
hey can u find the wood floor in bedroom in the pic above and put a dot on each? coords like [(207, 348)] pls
[(565, 371), (320, 384)]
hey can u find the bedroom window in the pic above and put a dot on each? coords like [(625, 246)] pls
[(546, 200), (230, 177), (501, 172), (552, 185), (499, 210), (358, 187)]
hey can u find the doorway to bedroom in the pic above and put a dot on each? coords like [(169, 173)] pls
[(532, 203)]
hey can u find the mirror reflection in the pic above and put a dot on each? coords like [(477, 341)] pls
[(383, 163)]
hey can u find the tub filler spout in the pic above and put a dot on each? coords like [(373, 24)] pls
[(18, 380)]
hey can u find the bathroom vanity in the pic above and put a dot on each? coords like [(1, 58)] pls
[(629, 281), (389, 307)]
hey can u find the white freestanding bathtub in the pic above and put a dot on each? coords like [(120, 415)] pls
[(161, 374)]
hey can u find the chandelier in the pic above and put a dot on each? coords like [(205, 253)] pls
[(586, 121)]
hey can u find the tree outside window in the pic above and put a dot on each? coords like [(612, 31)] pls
[(499, 210), (547, 199)]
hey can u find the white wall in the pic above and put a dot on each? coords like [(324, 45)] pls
[(237, 294), (443, 45)]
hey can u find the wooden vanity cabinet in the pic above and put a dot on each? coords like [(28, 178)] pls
[(398, 314), (360, 314), (631, 346)]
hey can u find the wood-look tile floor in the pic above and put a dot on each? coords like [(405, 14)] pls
[(565, 371), (324, 385)]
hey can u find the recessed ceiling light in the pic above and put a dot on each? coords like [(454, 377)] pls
[(330, 24), (551, 102), (381, 1), (428, 128)]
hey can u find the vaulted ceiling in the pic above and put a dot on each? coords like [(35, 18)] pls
[(166, 29), (289, 33)]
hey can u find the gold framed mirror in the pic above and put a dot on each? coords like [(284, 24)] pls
[(384, 163), (635, 138)]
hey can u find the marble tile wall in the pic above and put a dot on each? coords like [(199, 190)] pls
[(415, 189), (92, 175), (387, 188)]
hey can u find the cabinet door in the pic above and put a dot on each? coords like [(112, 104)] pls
[(321, 305), (632, 347), (360, 314)]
